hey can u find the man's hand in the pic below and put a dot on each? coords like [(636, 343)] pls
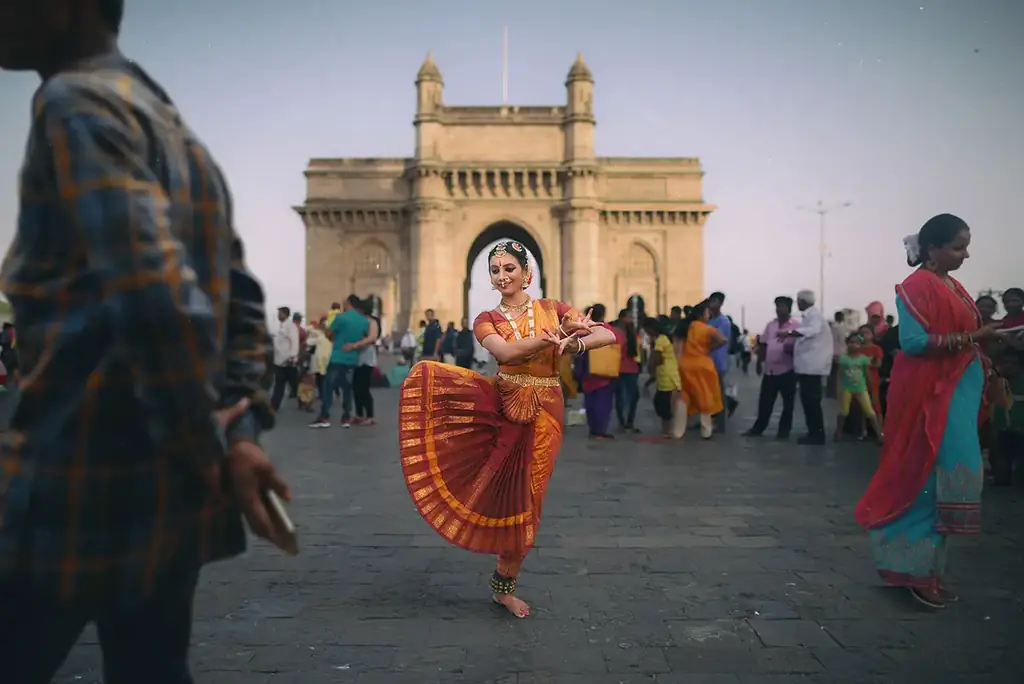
[(211, 474), (250, 473)]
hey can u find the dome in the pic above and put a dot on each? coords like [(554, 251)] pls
[(429, 71), (580, 71)]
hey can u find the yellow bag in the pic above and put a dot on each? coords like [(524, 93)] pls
[(605, 361)]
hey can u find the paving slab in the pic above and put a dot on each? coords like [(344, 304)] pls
[(732, 561)]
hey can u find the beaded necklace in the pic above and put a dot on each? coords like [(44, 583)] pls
[(529, 320)]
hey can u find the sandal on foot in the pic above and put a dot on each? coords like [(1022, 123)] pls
[(934, 603)]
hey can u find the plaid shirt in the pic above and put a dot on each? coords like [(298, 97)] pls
[(136, 320)]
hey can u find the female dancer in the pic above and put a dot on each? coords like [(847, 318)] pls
[(702, 392), (477, 454), (929, 479)]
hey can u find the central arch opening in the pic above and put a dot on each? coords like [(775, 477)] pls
[(477, 293)]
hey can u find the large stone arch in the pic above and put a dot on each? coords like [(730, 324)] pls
[(502, 228), (638, 273)]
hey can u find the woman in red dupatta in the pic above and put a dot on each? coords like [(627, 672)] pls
[(1013, 302), (477, 453), (929, 480)]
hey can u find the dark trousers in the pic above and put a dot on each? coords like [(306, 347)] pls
[(720, 418), (627, 396), (361, 377), (663, 405), (771, 387), (810, 398), (339, 375), (144, 643), (728, 402), (832, 381), (284, 377), (465, 361), (1008, 449), (883, 396)]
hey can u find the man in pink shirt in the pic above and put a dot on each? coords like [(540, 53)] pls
[(779, 377)]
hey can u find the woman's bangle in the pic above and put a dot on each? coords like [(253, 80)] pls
[(564, 334), (581, 346)]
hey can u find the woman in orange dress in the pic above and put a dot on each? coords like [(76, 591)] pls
[(702, 392), (477, 453)]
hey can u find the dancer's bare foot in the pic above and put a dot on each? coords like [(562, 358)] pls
[(516, 606), (950, 596)]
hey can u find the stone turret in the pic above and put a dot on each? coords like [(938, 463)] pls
[(579, 120), (429, 206), (579, 218), (429, 103)]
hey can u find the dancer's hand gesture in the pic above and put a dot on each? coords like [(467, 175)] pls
[(560, 342), (580, 325)]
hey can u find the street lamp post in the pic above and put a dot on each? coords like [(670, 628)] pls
[(822, 211)]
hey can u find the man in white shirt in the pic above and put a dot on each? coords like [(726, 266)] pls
[(286, 354), (812, 362)]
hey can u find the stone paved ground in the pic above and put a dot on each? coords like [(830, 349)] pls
[(723, 562)]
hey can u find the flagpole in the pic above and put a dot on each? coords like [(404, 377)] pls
[(504, 66)]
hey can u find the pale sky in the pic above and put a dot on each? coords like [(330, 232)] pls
[(905, 109)]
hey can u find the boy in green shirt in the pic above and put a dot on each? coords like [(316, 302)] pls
[(853, 385)]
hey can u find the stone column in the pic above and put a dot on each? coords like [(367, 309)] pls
[(581, 256), (683, 270), (429, 253)]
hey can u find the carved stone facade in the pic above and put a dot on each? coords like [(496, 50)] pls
[(407, 230)]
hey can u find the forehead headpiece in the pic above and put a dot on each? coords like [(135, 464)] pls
[(499, 250)]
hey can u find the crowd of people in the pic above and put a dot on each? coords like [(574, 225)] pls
[(688, 356), (336, 356), (917, 388), (134, 452)]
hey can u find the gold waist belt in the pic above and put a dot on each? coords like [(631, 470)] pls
[(527, 380)]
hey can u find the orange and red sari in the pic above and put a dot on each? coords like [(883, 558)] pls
[(702, 392), (477, 453)]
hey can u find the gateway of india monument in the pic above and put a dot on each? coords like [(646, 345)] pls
[(408, 230)]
